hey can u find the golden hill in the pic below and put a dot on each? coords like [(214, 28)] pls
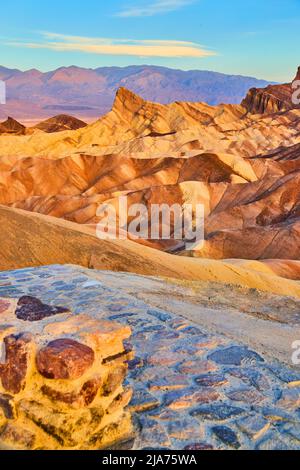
[(29, 239)]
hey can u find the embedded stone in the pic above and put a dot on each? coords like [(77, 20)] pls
[(185, 347), (235, 355), (163, 414), (135, 363), (160, 315), (7, 406), (227, 436), (293, 429), (164, 335), (165, 358), (211, 380), (275, 414), (187, 398), (114, 379), (106, 437), (13, 371), (106, 336), (127, 444), (184, 428), (178, 323), (289, 399), (254, 426), (199, 446), (124, 356), (85, 397), (272, 441), (251, 377), (68, 429), (143, 400), (64, 359), (3, 420), (120, 402), (170, 382), (15, 436), (152, 434), (32, 309), (197, 367), (207, 344), (217, 412), (192, 330), (284, 374), (246, 395)]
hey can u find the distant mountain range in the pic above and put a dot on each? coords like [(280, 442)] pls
[(89, 93)]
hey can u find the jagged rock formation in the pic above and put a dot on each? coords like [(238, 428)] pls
[(60, 123), (135, 127), (272, 99), (243, 168), (61, 384)]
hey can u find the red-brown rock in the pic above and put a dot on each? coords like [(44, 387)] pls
[(32, 309), (272, 99), (64, 359), (114, 379), (84, 398), (13, 372), (14, 435)]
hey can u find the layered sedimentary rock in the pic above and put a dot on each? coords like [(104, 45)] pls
[(61, 378), (243, 167), (272, 99)]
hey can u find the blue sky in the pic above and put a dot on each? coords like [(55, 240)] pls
[(250, 37)]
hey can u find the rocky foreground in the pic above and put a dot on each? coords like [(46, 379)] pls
[(197, 384), (61, 381)]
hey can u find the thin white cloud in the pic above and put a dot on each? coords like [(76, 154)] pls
[(151, 8), (110, 46)]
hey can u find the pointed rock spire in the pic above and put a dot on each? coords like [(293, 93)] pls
[(298, 74), (126, 99)]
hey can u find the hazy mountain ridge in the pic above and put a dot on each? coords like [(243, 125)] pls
[(89, 93)]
